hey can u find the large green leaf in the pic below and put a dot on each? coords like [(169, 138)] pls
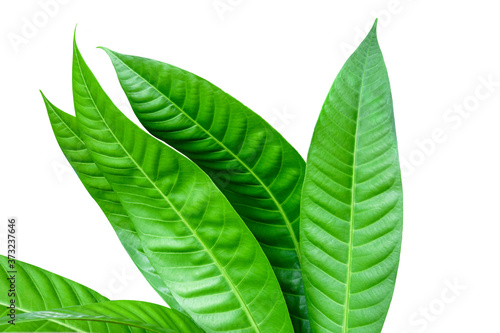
[(352, 207), (106, 317), (67, 134), (259, 172), (38, 290), (192, 236)]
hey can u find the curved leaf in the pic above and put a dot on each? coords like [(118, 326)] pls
[(258, 171), (68, 137), (352, 207), (193, 237), (106, 317), (37, 290)]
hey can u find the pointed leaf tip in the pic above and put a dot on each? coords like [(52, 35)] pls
[(46, 101), (75, 45), (371, 178), (105, 49), (373, 30)]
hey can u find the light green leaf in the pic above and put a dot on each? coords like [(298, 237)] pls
[(197, 243), (35, 289), (259, 172), (67, 134), (352, 205), (106, 317)]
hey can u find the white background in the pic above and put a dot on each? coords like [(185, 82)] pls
[(279, 58)]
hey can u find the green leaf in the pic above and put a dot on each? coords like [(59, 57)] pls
[(195, 240), (39, 289), (259, 172), (66, 131), (352, 205), (36, 289), (106, 317)]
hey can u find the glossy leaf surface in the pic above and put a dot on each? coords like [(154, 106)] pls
[(68, 137), (191, 234), (259, 172), (352, 208), (37, 290), (106, 317)]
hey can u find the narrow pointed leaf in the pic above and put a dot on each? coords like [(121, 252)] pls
[(351, 218), (259, 172), (67, 134), (36, 289), (192, 236), (106, 317)]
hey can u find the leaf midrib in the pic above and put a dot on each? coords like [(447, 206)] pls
[(227, 278), (273, 198), (65, 124), (139, 266), (110, 320), (353, 192), (52, 320)]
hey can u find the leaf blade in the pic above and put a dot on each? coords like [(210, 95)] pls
[(252, 164), (67, 134), (106, 317), (351, 222), (183, 245), (37, 290)]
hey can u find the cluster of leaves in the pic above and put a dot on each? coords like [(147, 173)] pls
[(219, 212)]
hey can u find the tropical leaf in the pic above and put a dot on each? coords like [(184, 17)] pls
[(35, 289), (106, 317), (351, 218), (68, 137), (259, 172), (192, 236)]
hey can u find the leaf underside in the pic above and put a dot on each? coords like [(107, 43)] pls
[(66, 131), (351, 217), (192, 236), (258, 171)]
